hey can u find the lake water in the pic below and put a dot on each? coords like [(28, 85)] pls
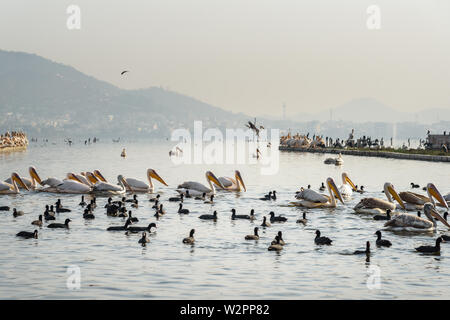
[(221, 264)]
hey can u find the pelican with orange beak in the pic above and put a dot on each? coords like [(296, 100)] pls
[(415, 201), (12, 188), (197, 189), (231, 184), (312, 199), (134, 185), (410, 222), (380, 206), (100, 185), (347, 187)]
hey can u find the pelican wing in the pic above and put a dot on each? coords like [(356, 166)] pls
[(25, 180), (312, 196), (413, 198), (104, 186), (71, 186), (192, 185), (408, 220), (226, 181), (5, 186), (134, 183), (51, 182), (374, 203)]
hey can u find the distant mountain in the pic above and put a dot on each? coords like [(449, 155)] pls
[(42, 97), (371, 110), (48, 99)]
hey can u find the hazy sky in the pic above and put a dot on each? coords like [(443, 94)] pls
[(249, 55)]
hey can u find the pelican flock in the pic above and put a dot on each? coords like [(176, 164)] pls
[(393, 209)]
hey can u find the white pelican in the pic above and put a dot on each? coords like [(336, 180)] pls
[(414, 201), (231, 184), (135, 185), (197, 189), (7, 188), (105, 187), (413, 222), (379, 206), (51, 182), (80, 178), (347, 187), (312, 199)]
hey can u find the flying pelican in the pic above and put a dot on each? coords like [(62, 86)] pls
[(7, 188), (231, 184), (412, 222), (379, 206), (102, 186), (345, 189), (197, 189), (135, 185), (414, 201), (312, 199)]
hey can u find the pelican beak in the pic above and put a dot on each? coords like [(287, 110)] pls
[(124, 181), (350, 182), (99, 175), (436, 215), (152, 173), (239, 179), (214, 179), (72, 176), (396, 196), (19, 181), (91, 177), (34, 175), (335, 190), (434, 192)]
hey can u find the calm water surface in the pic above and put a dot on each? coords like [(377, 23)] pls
[(221, 264)]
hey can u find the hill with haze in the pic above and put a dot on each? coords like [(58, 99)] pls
[(47, 99)]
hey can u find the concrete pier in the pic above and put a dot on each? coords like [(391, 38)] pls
[(372, 153)]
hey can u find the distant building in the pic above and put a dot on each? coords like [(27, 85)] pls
[(436, 141)]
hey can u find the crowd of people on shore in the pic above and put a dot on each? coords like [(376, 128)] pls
[(13, 139), (304, 141)]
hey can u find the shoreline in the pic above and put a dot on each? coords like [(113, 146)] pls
[(12, 149), (378, 154)]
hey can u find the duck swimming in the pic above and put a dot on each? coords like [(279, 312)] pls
[(138, 229), (235, 216), (322, 240), (144, 240), (120, 228), (254, 236), (132, 219), (176, 199), (382, 242), (4, 208), (367, 251), (88, 215), (59, 225), (38, 222), (211, 199), (267, 196), (303, 220), (28, 235), (273, 218), (190, 239), (17, 213), (181, 210), (275, 246), (322, 187), (82, 203), (265, 223), (280, 239), (431, 249), (157, 198), (209, 216), (384, 217)]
